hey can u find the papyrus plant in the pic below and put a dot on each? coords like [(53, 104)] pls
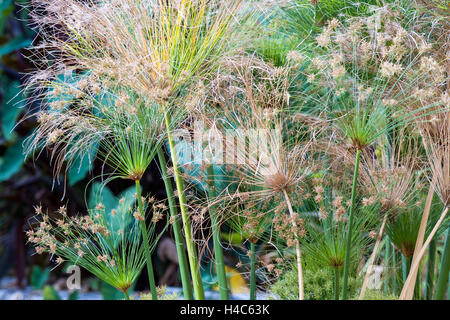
[(113, 253), (157, 48), (324, 243), (392, 177), (436, 138), (269, 161), (366, 76), (126, 130)]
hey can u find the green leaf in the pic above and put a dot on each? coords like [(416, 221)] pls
[(4, 5), (121, 219), (102, 194), (111, 293), (6, 8), (74, 295), (233, 238), (12, 103), (187, 154), (12, 160), (39, 277), (14, 45), (81, 167), (209, 277), (67, 79), (49, 293), (94, 284)]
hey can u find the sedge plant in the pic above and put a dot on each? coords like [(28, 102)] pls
[(173, 44), (392, 178), (251, 221), (157, 48), (324, 243), (435, 133), (268, 163), (118, 125), (113, 253), (437, 137), (364, 81)]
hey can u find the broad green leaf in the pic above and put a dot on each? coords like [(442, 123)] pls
[(39, 277), (113, 210), (13, 45), (209, 276), (5, 4), (233, 238), (6, 8), (81, 167), (187, 154), (67, 79), (12, 160), (50, 293), (102, 194), (111, 293), (12, 103), (74, 295)]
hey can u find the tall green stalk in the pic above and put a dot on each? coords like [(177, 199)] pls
[(442, 282), (190, 245), (252, 271), (387, 257), (430, 270), (336, 284), (394, 271), (148, 257), (218, 252), (406, 264), (348, 244), (179, 242)]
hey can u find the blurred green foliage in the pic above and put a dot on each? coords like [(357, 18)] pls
[(50, 293), (114, 211), (39, 277), (14, 36), (318, 285), (23, 183)]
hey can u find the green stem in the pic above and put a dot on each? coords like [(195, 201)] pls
[(430, 270), (182, 259), (252, 271), (148, 257), (394, 271), (190, 245), (336, 283), (127, 297), (406, 264), (448, 290), (218, 251), (348, 244), (387, 257), (442, 282)]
